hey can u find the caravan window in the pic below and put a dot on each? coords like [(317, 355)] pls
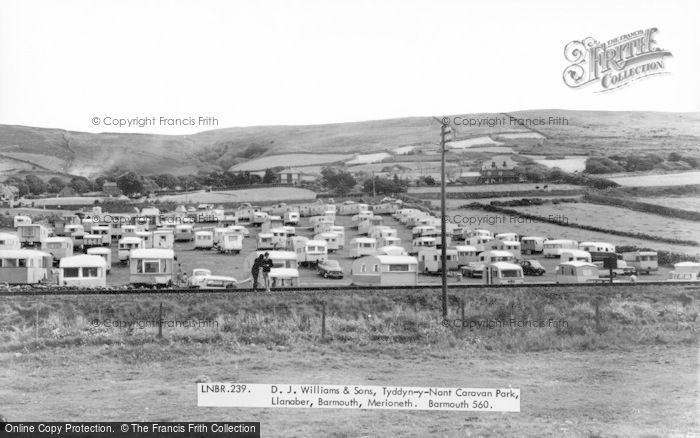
[(376, 268), (27, 231), (71, 272), (398, 268), (363, 268), (90, 272), (151, 266), (54, 245), (510, 273)]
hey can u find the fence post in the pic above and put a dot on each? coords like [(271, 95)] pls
[(462, 305), (323, 320), (160, 320), (36, 323), (597, 314)]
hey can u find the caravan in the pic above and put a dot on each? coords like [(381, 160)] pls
[(645, 262), (265, 241), (503, 273), (385, 270), (291, 218), (685, 271), (203, 240), (365, 225), (422, 242), (575, 255), (83, 271), (494, 256), (577, 272), (512, 246), (152, 267), (76, 232), (272, 222), (184, 232), (24, 266), (331, 239), (32, 234), (231, 243), (599, 251), (58, 247), (125, 245), (362, 246), (21, 220), (105, 253), (9, 241), (312, 252), (430, 260), (532, 244), (163, 239), (104, 231), (553, 248), (466, 254)]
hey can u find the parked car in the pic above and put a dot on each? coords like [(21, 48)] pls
[(217, 282), (532, 267), (198, 275), (622, 269), (330, 269), (473, 270)]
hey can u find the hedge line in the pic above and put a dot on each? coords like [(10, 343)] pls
[(643, 207), (496, 209)]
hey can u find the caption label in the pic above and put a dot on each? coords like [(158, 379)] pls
[(282, 395)]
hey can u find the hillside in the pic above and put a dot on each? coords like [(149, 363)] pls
[(54, 151)]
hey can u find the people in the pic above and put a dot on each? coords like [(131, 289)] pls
[(255, 270), (266, 267)]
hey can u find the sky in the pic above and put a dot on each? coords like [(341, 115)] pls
[(291, 62)]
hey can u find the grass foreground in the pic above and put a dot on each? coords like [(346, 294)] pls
[(629, 368)]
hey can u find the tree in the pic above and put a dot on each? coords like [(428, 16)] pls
[(429, 180), (337, 181), (384, 186), (35, 184), (55, 185), (130, 184), (270, 177), (167, 181), (100, 182), (80, 184)]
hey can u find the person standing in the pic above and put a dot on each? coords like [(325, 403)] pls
[(255, 270), (266, 267)]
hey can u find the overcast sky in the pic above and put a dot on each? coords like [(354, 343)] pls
[(306, 62)]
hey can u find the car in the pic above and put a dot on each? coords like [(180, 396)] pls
[(198, 276), (218, 282), (473, 270), (622, 269), (330, 269), (532, 267)]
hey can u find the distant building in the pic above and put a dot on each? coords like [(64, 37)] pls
[(295, 176), (8, 195), (67, 192), (110, 188), (499, 170)]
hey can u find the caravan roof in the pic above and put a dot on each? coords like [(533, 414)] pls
[(158, 253), (83, 260)]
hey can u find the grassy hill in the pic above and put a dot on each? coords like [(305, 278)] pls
[(55, 151)]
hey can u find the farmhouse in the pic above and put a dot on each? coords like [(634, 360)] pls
[(499, 170), (109, 188), (295, 176)]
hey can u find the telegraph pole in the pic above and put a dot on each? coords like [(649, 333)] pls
[(445, 132)]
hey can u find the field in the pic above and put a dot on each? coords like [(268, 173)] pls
[(498, 222), (494, 188), (568, 164), (615, 218), (369, 158), (476, 141), (289, 160), (243, 195), (631, 372), (667, 179), (685, 203)]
